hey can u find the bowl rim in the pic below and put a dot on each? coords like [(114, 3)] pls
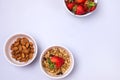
[(78, 15), (35, 53), (70, 69)]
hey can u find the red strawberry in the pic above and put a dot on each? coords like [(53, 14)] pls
[(70, 5), (90, 5), (80, 1), (80, 10), (58, 61), (54, 59), (92, 8)]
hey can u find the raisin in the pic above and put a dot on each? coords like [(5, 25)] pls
[(44, 58), (51, 55), (60, 73)]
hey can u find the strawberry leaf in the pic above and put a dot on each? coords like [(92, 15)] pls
[(71, 0), (91, 4), (74, 9), (49, 61), (51, 65)]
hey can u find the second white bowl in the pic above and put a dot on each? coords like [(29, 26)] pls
[(7, 48), (66, 73)]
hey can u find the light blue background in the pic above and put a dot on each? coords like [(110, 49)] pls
[(94, 40)]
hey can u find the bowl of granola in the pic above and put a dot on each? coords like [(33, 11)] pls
[(56, 62)]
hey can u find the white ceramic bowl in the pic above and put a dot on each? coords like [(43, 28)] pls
[(7, 48), (66, 73), (96, 1)]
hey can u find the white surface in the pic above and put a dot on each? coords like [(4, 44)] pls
[(94, 40)]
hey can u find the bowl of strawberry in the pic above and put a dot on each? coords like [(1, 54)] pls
[(81, 8), (56, 62)]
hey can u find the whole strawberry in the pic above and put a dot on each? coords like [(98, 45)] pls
[(92, 8), (80, 1), (78, 9), (70, 5), (90, 5)]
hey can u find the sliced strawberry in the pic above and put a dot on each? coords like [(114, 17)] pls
[(54, 59), (80, 10), (58, 61), (58, 65), (80, 1), (70, 5)]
